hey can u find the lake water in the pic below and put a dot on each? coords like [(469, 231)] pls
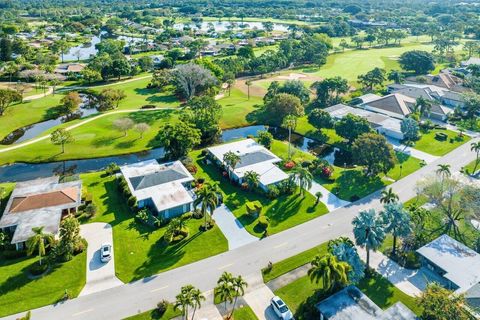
[(24, 171)]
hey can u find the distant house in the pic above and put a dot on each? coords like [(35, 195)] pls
[(39, 203), (352, 304), (382, 124), (164, 188), (437, 95), (68, 68), (444, 79), (253, 157), (470, 61)]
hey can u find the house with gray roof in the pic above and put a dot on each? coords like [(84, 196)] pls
[(253, 157), (163, 188), (352, 304), (39, 203)]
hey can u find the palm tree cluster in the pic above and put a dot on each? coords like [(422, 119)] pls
[(231, 160), (208, 199), (333, 273), (304, 179), (177, 227), (189, 297), (229, 288)]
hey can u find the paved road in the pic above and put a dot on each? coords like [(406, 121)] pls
[(100, 276), (247, 260)]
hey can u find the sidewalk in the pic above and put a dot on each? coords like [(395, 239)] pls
[(397, 146), (329, 199), (231, 228)]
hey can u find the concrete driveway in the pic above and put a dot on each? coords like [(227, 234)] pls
[(100, 276), (259, 300), (233, 230)]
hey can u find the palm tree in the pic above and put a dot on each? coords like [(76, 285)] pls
[(197, 298), (422, 106), (396, 221), (248, 83), (252, 178), (396, 76), (184, 300), (231, 159), (207, 198), (39, 242), (475, 146), (333, 273), (225, 289), (444, 172), (388, 196), (368, 231), (239, 285), (289, 122), (304, 179)]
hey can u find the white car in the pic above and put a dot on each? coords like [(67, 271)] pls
[(281, 309), (106, 252)]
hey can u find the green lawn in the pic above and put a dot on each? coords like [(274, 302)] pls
[(293, 262), (19, 293), (140, 250), (471, 166), (244, 313), (236, 108), (429, 144), (153, 315), (302, 291), (283, 212), (306, 129), (96, 139)]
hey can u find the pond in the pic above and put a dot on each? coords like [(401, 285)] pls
[(223, 26), (32, 131), (24, 171)]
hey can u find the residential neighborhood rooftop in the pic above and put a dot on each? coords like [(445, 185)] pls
[(460, 263)]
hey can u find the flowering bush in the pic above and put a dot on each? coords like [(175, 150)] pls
[(327, 172), (192, 168), (289, 165)]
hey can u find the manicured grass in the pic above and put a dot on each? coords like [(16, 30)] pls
[(153, 315), (23, 114), (289, 264), (140, 250), (19, 293), (471, 166), (96, 139), (244, 313), (429, 144), (306, 129), (406, 165), (377, 288), (236, 108), (283, 212), (280, 148)]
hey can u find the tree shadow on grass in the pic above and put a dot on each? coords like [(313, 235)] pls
[(125, 144), (103, 142), (115, 203), (283, 208), (378, 289), (353, 183), (306, 309), (151, 116)]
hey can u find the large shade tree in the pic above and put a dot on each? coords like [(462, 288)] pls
[(191, 79), (178, 139), (374, 152)]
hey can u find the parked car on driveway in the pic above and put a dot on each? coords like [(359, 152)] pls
[(281, 309), (106, 252)]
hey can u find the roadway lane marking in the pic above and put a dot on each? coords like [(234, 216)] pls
[(280, 245), (82, 312), (158, 289), (225, 266)]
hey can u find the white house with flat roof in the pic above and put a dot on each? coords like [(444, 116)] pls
[(253, 157), (164, 188)]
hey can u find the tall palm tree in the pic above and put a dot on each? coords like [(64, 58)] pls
[(396, 76), (396, 221), (443, 172), (239, 285), (475, 146), (184, 300), (252, 178), (388, 196), (304, 179), (231, 159), (248, 83), (333, 273), (197, 298), (39, 242), (422, 106), (289, 123), (368, 231), (225, 289), (207, 198)]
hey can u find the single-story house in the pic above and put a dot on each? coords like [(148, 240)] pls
[(470, 61), (253, 157), (163, 188), (352, 304), (444, 79), (39, 203), (439, 96), (382, 124), (67, 68)]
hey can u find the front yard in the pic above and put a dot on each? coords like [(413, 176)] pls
[(429, 144), (140, 250)]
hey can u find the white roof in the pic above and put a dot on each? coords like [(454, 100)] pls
[(461, 264), (369, 97), (162, 183), (264, 166)]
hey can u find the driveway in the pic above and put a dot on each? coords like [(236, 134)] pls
[(329, 199), (259, 300), (231, 228), (100, 276)]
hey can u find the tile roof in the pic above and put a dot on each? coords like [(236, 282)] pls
[(44, 200)]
